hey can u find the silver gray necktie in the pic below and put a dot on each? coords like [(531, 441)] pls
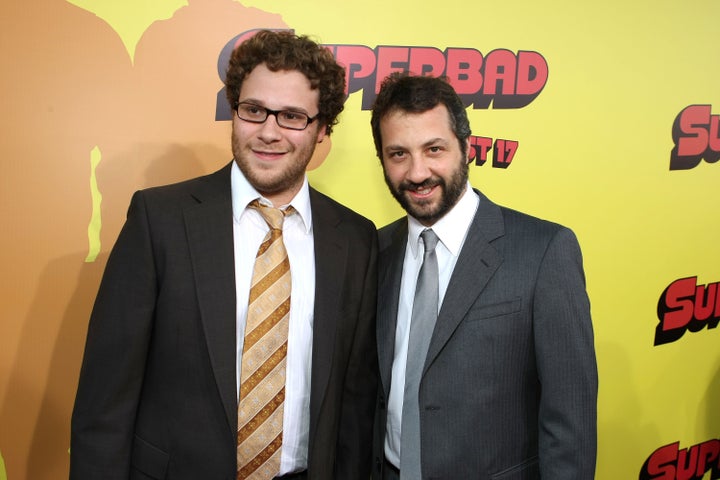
[(422, 324)]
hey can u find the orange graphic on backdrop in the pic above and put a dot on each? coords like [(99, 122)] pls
[(175, 82), (64, 74), (71, 87)]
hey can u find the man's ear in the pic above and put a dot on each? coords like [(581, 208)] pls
[(322, 133), (467, 150), (322, 149)]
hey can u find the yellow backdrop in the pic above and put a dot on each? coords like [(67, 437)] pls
[(620, 143)]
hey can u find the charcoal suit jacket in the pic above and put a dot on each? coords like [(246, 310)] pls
[(157, 391), (509, 385)]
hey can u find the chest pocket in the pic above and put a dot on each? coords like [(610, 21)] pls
[(486, 311)]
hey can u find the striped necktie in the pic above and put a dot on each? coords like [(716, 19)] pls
[(262, 379)]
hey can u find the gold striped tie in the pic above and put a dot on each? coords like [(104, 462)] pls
[(262, 378)]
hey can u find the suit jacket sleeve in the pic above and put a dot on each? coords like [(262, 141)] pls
[(354, 455), (566, 364), (114, 361)]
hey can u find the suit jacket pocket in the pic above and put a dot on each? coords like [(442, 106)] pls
[(527, 470), (484, 311), (149, 459)]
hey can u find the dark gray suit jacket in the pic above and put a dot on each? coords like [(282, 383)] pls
[(157, 391), (509, 387)]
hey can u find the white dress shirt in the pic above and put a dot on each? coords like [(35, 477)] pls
[(249, 229), (451, 229)]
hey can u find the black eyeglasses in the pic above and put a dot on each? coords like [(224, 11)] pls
[(289, 119)]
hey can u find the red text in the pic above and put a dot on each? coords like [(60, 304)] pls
[(503, 151), (684, 305), (501, 78), (672, 463), (696, 134)]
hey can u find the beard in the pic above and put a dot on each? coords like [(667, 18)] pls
[(268, 182), (429, 211)]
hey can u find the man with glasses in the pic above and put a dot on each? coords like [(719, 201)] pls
[(233, 333)]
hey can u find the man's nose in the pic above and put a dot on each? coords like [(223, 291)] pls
[(419, 170), (270, 130)]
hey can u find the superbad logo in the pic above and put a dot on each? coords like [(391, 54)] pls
[(685, 305), (500, 79), (696, 133), (670, 462)]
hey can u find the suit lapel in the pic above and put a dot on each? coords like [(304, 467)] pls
[(209, 225), (390, 263), (331, 251), (476, 264)]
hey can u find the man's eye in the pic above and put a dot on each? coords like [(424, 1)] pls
[(251, 111), (292, 115)]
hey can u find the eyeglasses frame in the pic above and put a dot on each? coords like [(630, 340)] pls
[(270, 111)]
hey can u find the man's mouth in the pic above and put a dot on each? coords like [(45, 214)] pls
[(422, 190), (268, 154)]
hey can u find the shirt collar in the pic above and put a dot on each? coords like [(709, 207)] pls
[(244, 193), (451, 228)]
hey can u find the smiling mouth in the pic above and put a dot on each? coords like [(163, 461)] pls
[(423, 191), (268, 155)]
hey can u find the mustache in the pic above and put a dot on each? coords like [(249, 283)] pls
[(428, 183)]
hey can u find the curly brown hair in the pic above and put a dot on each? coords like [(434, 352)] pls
[(284, 50)]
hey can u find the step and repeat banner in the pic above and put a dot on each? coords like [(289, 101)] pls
[(603, 116)]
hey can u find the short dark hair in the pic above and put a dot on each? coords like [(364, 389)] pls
[(283, 50), (416, 94)]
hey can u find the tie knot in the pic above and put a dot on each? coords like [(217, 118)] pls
[(273, 216), (430, 240)]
